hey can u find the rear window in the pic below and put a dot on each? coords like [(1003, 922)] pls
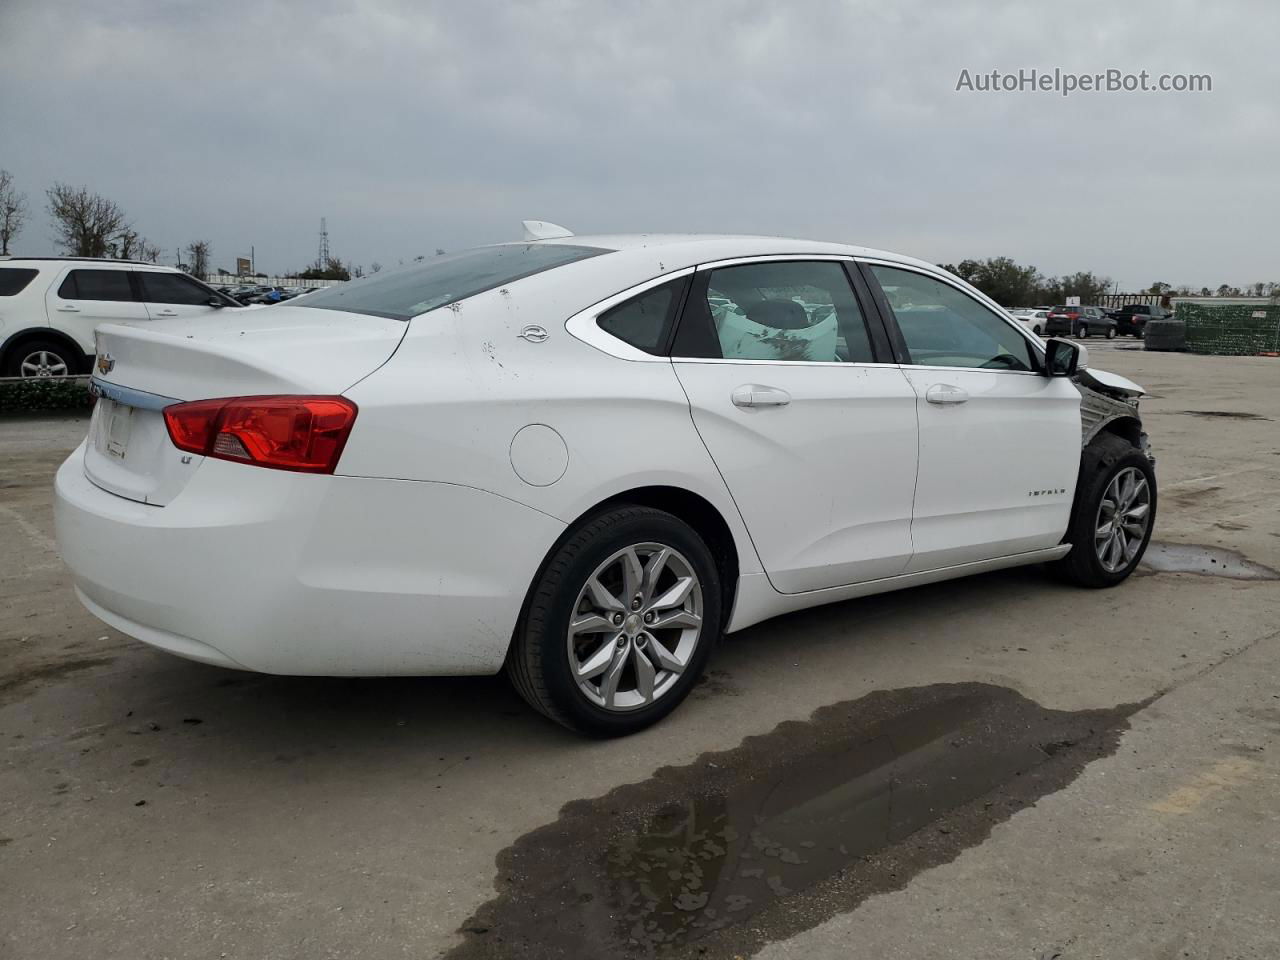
[(14, 279), (448, 278)]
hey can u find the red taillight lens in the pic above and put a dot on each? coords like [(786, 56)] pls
[(288, 433)]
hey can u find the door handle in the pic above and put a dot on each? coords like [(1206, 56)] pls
[(68, 308), (166, 313), (757, 395), (946, 393)]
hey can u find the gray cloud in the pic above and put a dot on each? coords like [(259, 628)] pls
[(416, 125)]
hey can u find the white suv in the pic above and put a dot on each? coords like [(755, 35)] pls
[(49, 307)]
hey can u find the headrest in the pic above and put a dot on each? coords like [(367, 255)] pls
[(779, 314)]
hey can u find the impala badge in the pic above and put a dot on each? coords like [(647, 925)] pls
[(533, 333), (106, 363)]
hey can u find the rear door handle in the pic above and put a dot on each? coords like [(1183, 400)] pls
[(946, 393), (758, 395), (166, 313), (68, 308)]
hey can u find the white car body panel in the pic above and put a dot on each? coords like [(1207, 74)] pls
[(825, 480), (487, 428), (79, 318), (1016, 495)]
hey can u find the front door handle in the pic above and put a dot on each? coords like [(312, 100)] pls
[(946, 393), (166, 313), (757, 395), (68, 308)]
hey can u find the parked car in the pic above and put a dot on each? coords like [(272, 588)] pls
[(582, 460), (1131, 319), (49, 307), (1079, 322), (1033, 318)]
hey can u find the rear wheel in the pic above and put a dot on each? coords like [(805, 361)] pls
[(1111, 333), (1084, 331), (40, 358), (1113, 516), (619, 624)]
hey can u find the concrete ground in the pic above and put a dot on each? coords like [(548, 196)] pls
[(151, 807)]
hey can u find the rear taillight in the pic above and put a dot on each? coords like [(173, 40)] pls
[(306, 434)]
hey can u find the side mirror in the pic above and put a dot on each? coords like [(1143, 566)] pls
[(217, 303), (1062, 358)]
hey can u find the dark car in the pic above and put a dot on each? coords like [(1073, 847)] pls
[(1132, 317), (1078, 322)]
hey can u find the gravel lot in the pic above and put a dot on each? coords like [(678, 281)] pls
[(1105, 786)]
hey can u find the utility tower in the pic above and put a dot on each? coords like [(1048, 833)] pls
[(323, 262)]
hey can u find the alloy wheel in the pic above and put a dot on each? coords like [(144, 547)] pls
[(43, 363), (1123, 517), (635, 626)]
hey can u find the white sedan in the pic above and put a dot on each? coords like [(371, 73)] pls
[(583, 460), (1033, 318)]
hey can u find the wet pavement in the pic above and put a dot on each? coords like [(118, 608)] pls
[(1206, 561), (681, 860)]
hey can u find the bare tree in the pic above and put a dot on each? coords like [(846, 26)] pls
[(13, 211), (198, 251), (375, 267), (130, 245), (85, 223)]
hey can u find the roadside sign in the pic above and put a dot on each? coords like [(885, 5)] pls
[(1073, 301), (244, 266)]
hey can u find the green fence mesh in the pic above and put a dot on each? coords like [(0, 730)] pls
[(1237, 330)]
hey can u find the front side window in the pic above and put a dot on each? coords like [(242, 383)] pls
[(96, 285), (645, 320), (782, 310), (13, 280), (408, 291), (173, 288), (943, 327)]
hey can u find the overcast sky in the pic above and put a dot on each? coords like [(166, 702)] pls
[(416, 125)]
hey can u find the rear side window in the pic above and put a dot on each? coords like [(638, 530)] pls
[(173, 288), (406, 292), (645, 320), (778, 310), (96, 285), (15, 279)]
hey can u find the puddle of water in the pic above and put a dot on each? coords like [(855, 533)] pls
[(1207, 561), (1224, 414), (692, 852)]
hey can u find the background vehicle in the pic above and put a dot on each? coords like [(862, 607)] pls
[(581, 460), (1131, 319), (1079, 322), (49, 307), (1033, 318)]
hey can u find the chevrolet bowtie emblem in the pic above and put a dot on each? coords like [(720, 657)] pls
[(106, 363)]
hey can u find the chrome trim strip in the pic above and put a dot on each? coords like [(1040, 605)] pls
[(130, 397), (775, 258), (792, 363)]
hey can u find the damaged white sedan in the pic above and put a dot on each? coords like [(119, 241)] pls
[(583, 460)]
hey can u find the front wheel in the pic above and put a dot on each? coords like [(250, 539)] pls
[(1113, 516), (619, 624), (1084, 331)]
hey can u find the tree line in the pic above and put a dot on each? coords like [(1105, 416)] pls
[(87, 224)]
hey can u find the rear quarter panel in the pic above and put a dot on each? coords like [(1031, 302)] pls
[(448, 406)]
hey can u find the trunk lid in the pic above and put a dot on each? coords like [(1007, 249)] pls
[(235, 353)]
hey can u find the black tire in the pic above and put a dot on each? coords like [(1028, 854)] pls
[(1106, 456), (1083, 331), (1037, 331), (538, 662), (53, 348), (1111, 333)]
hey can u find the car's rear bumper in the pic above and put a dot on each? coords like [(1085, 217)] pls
[(299, 574)]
